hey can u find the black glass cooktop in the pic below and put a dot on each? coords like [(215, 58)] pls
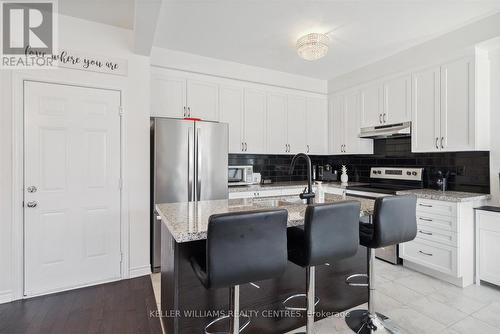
[(382, 188)]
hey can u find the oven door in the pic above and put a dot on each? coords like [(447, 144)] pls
[(390, 253)]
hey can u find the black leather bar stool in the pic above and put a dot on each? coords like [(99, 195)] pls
[(394, 221), (242, 247), (330, 233)]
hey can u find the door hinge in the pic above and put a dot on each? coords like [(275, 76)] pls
[(120, 111)]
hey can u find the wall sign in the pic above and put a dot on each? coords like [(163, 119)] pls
[(93, 63)]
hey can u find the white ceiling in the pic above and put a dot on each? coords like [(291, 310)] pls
[(118, 13), (263, 32)]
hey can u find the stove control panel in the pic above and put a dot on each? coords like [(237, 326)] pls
[(394, 173)]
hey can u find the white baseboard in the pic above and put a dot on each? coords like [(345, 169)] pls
[(6, 296), (140, 271)]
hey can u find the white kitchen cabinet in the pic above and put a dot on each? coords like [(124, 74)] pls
[(487, 246), (296, 124), (371, 105), (426, 125), (178, 97), (254, 121), (317, 126), (168, 96), (450, 110), (231, 112), (397, 100), (345, 122), (457, 106), (444, 245), (277, 125), (203, 100)]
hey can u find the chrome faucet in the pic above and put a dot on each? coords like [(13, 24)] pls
[(308, 193)]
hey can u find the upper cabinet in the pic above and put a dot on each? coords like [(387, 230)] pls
[(296, 124), (177, 97), (386, 102), (254, 121), (168, 96), (203, 100), (231, 112), (277, 121), (345, 114), (317, 125), (447, 114), (397, 100)]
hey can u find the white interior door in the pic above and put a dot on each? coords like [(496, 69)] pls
[(72, 186)]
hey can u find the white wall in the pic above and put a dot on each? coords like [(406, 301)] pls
[(95, 39), (198, 64), (453, 44)]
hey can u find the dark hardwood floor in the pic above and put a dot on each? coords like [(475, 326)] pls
[(119, 307)]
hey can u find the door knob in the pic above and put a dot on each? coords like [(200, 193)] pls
[(31, 204), (32, 189)]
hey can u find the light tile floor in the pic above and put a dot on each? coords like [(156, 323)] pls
[(420, 304)]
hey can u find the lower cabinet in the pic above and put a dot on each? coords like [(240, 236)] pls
[(444, 246), (488, 246)]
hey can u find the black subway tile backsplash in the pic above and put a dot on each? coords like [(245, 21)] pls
[(469, 171)]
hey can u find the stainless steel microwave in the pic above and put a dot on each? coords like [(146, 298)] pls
[(240, 175)]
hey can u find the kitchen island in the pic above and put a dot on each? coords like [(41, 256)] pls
[(186, 306)]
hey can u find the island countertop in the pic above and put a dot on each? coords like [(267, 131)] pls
[(188, 221)]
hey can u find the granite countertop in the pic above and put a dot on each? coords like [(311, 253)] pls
[(448, 196), (188, 221), (287, 185)]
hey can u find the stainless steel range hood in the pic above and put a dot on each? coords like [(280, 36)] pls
[(387, 131)]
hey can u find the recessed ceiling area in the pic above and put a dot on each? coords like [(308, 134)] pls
[(263, 33), (119, 13)]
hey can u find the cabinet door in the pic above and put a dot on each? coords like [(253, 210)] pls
[(296, 121), (371, 109), (397, 100), (457, 106), (254, 121), (231, 112), (336, 124), (317, 126), (276, 122), (203, 100), (168, 96), (351, 122), (426, 111)]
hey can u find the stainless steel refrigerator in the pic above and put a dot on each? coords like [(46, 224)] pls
[(188, 163)]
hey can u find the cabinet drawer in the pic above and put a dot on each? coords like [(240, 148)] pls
[(255, 194), (437, 235), (432, 255), (448, 209), (436, 221)]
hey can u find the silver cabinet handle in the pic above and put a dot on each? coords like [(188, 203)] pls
[(442, 142), (380, 118), (428, 254), (246, 146), (437, 143), (242, 147), (425, 205), (307, 148), (31, 204), (185, 111), (425, 219), (189, 111), (384, 118), (423, 232)]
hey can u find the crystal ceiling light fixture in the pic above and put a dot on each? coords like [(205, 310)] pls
[(313, 46)]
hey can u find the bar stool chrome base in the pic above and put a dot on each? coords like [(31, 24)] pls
[(224, 317), (298, 295), (362, 322)]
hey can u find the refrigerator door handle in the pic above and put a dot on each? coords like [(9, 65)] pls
[(198, 165), (190, 165)]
